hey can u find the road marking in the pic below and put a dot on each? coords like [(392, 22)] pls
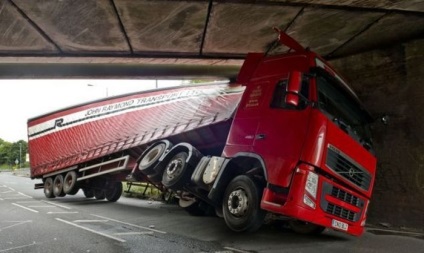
[(51, 203), (89, 221), (236, 250), (41, 206), (17, 224), (91, 230), (19, 247), (135, 233), (11, 189), (61, 212), (28, 201), (25, 195), (129, 224), (24, 207), (12, 198), (5, 192)]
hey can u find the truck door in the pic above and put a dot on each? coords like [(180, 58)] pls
[(281, 132)]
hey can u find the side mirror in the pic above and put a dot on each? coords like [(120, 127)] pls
[(293, 88)]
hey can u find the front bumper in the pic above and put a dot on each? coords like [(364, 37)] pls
[(334, 206)]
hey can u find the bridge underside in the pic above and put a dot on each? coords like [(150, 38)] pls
[(193, 33)]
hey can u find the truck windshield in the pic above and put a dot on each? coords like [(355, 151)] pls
[(343, 108)]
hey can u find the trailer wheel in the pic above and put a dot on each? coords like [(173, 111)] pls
[(88, 193), (305, 228), (150, 159), (175, 173), (58, 186), (99, 194), (70, 183), (48, 188), (114, 193), (241, 205)]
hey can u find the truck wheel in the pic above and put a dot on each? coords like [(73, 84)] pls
[(70, 183), (114, 193), (58, 186), (48, 188), (241, 205), (150, 159), (88, 193), (99, 194), (305, 228), (175, 173)]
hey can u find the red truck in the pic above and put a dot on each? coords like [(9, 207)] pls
[(288, 137)]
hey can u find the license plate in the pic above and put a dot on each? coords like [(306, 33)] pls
[(339, 225)]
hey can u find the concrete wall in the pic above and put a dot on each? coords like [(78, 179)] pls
[(392, 81)]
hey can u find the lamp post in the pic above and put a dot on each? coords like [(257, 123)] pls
[(20, 155)]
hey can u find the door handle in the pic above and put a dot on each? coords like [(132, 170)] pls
[(260, 136)]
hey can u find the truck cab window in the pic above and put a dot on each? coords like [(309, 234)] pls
[(281, 91)]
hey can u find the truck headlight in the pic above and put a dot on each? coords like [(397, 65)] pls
[(312, 184)]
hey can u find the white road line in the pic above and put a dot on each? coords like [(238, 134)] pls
[(17, 224), (1, 199), (12, 198), (24, 207), (89, 221), (51, 203), (11, 189), (91, 230), (19, 247), (25, 195), (41, 206), (5, 192), (61, 212), (236, 250), (135, 233), (129, 224), (28, 201)]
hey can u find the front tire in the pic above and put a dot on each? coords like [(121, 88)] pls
[(241, 205)]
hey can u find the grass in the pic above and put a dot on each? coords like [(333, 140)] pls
[(142, 190)]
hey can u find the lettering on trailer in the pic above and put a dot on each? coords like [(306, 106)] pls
[(109, 110)]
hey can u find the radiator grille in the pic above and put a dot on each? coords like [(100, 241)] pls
[(341, 212), (344, 196), (346, 167)]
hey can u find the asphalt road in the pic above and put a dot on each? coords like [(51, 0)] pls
[(31, 223)]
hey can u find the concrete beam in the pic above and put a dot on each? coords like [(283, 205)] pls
[(325, 30), (115, 71), (78, 26), (18, 35), (242, 28), (404, 5)]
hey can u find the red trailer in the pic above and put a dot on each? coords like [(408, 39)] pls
[(289, 137)]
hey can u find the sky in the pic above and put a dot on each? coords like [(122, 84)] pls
[(24, 99)]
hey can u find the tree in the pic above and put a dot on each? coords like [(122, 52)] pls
[(10, 152)]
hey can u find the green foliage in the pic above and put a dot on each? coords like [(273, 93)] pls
[(10, 152)]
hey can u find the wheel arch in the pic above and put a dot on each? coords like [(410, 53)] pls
[(243, 163)]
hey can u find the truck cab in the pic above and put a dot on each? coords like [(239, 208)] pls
[(309, 133)]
